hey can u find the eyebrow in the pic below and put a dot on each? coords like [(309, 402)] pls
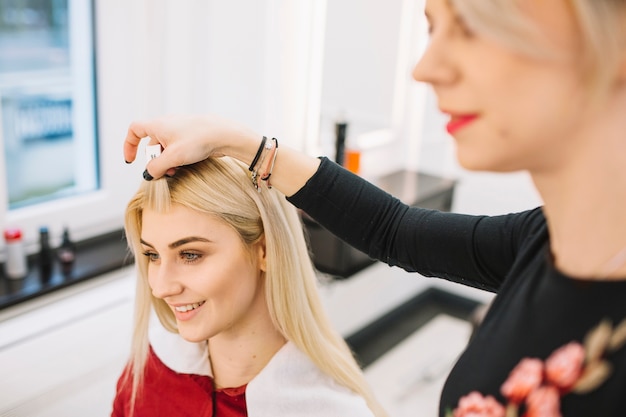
[(179, 242)]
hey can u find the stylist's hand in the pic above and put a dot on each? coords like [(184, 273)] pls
[(188, 139)]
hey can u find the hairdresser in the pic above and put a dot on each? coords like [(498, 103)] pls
[(529, 85)]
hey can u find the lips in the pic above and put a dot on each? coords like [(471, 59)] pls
[(459, 121)]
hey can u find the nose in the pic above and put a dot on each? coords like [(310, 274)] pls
[(163, 281), (436, 66)]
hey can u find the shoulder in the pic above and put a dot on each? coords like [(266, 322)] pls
[(524, 222), (291, 385), (518, 227), (531, 229), (534, 220)]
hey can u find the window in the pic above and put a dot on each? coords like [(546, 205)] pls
[(47, 97), (48, 135)]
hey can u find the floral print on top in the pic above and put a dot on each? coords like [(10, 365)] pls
[(534, 387)]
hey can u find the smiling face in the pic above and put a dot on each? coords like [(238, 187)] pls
[(508, 110), (200, 267)]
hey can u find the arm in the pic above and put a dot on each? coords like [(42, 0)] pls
[(470, 249), (474, 250), (189, 139)]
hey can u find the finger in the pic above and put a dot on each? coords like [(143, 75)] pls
[(159, 166), (136, 132), (171, 172)]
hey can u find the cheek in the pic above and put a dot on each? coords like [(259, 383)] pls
[(151, 276), (247, 285), (235, 281), (495, 144)]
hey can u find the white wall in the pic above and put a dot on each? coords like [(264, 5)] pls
[(253, 61)]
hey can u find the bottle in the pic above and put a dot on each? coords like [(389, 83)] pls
[(352, 156), (66, 252), (45, 253), (341, 128), (353, 160), (15, 265)]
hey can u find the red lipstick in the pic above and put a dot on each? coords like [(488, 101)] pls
[(457, 122)]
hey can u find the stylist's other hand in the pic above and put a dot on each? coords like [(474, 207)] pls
[(185, 139)]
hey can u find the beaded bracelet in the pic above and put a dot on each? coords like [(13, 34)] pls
[(262, 155), (265, 168), (267, 173)]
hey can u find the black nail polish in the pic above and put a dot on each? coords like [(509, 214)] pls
[(128, 162), (147, 176)]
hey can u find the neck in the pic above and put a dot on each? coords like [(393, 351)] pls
[(238, 355), (585, 201)]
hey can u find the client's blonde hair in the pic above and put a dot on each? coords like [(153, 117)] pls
[(221, 187)]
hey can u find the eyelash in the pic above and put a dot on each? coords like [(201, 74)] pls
[(190, 257), (187, 257), (152, 257)]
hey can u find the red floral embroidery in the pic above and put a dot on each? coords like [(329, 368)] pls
[(475, 405), (544, 402), (565, 365), (537, 386), (524, 378)]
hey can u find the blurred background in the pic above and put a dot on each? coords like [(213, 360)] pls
[(75, 73)]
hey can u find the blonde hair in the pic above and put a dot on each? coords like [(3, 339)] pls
[(221, 187), (600, 25)]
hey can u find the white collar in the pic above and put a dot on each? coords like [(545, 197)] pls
[(176, 353), (290, 385)]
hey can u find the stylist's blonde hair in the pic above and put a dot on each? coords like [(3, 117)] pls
[(601, 28), (221, 187)]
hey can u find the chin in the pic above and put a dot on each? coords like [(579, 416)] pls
[(192, 336), (195, 339), (474, 162)]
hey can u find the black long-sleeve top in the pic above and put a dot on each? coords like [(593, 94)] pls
[(562, 333)]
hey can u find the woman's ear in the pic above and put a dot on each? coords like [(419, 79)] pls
[(260, 251)]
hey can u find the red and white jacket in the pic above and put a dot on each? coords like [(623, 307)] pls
[(178, 382)]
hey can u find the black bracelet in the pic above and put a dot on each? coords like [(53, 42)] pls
[(258, 154)]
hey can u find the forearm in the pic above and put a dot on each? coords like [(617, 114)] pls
[(351, 208), (474, 250)]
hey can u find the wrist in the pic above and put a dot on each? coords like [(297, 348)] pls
[(242, 145), (248, 147)]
